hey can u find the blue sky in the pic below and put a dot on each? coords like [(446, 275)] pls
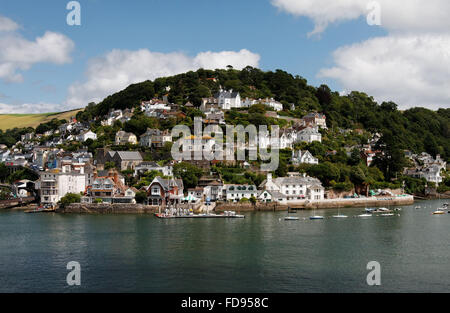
[(278, 36)]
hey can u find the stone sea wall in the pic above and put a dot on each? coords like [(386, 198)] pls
[(118, 208), (88, 208), (322, 204)]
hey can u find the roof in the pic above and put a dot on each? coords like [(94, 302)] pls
[(227, 94), (129, 155)]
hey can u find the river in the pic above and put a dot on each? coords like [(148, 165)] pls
[(261, 253)]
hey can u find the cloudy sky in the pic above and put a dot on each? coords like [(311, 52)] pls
[(47, 65)]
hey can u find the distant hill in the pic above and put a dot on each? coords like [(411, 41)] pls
[(9, 121)]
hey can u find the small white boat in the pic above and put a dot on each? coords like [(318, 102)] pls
[(291, 218), (340, 216), (316, 217), (388, 214), (438, 212), (365, 215)]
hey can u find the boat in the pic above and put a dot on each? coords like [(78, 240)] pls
[(316, 217), (339, 215), (382, 210), (370, 210), (290, 218), (365, 215), (387, 214), (438, 212), (417, 208)]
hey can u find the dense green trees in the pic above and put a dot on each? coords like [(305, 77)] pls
[(70, 198), (189, 173)]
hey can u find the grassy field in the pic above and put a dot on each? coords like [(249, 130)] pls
[(8, 121)]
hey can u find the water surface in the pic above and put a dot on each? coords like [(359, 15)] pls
[(261, 253)]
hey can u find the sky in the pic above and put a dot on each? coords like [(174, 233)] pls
[(392, 50)]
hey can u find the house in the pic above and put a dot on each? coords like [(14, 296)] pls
[(431, 173), (155, 138), (316, 119), (303, 157), (153, 105), (83, 136), (235, 193), (153, 166), (309, 135), (126, 160), (165, 191), (109, 189), (267, 196), (213, 190), (295, 187), (272, 103), (56, 183), (196, 192), (228, 99), (27, 137), (210, 105), (123, 138)]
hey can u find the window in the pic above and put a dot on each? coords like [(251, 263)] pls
[(155, 191)]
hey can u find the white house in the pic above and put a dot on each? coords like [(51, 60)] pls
[(55, 184), (83, 136), (229, 99), (309, 135), (235, 193), (267, 196), (123, 138), (303, 157), (295, 187)]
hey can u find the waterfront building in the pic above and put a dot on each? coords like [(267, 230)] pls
[(235, 193), (165, 191), (109, 188), (295, 187), (56, 183)]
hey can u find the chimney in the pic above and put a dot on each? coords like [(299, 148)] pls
[(269, 177)]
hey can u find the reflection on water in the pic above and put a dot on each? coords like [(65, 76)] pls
[(261, 253)]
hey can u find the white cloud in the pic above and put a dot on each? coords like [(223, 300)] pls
[(20, 54), (7, 25), (409, 70), (29, 108), (410, 66), (120, 68), (409, 16)]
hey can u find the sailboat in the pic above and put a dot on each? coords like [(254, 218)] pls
[(290, 218), (316, 217), (339, 215)]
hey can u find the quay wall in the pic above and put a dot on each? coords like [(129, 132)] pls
[(117, 208), (320, 204), (90, 208)]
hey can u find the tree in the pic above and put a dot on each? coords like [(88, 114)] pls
[(70, 198), (355, 157), (141, 197), (189, 173)]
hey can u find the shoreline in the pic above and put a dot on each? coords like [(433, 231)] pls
[(85, 208)]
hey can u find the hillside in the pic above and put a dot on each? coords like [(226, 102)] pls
[(416, 129), (9, 121)]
